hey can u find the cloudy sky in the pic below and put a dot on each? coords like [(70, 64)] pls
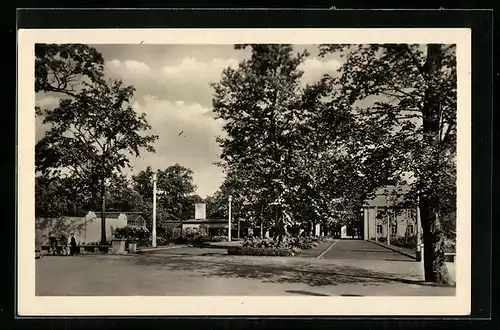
[(173, 88)]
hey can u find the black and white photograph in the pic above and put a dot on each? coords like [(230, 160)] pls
[(247, 167)]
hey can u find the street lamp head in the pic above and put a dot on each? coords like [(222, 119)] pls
[(154, 176), (230, 198)]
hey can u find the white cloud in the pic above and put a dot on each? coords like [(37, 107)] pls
[(46, 101), (138, 67), (191, 65), (186, 136), (314, 69), (188, 81)]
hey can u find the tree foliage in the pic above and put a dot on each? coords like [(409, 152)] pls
[(287, 143), (404, 97), (259, 103), (176, 202), (62, 68), (92, 137)]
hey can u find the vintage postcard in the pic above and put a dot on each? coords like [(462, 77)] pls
[(244, 172)]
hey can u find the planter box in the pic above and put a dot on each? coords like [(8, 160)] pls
[(118, 246), (132, 247)]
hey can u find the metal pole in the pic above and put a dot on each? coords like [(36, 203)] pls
[(418, 225), (388, 219), (376, 224), (366, 219), (154, 210), (229, 221)]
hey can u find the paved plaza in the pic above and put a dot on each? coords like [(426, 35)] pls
[(336, 268)]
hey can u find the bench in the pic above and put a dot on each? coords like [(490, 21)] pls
[(83, 248), (94, 248)]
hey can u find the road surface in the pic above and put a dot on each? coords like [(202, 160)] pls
[(359, 249)]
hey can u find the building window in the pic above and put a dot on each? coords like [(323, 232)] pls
[(411, 229), (379, 229)]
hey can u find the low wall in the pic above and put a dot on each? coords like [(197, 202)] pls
[(86, 230)]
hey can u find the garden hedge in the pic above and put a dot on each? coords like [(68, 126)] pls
[(256, 251)]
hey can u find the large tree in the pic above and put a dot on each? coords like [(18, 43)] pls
[(122, 197), (405, 99), (259, 104), (91, 138)]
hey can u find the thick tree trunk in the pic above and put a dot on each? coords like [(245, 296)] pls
[(435, 269), (281, 226), (433, 238), (103, 213)]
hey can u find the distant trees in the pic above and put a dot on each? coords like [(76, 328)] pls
[(177, 202)]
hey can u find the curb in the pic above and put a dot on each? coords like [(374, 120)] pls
[(320, 256), (163, 248), (394, 249)]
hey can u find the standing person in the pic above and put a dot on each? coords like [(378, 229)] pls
[(72, 245), (53, 244)]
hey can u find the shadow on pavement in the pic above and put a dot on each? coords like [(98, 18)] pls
[(306, 293), (282, 272), (210, 246)]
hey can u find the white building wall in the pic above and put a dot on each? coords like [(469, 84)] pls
[(86, 229), (371, 223)]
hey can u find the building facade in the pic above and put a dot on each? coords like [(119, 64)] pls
[(384, 216)]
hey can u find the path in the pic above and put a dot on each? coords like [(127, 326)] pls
[(359, 249)]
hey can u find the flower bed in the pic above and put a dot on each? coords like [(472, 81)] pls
[(290, 242), (288, 246), (132, 234), (256, 251)]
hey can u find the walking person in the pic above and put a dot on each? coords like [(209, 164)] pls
[(73, 249)]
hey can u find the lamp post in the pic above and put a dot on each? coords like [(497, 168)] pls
[(388, 219), (418, 229), (154, 210), (229, 220)]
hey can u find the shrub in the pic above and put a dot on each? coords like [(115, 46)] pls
[(259, 243), (450, 246), (288, 242), (132, 234), (219, 239), (192, 236), (167, 234), (258, 251), (409, 242)]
